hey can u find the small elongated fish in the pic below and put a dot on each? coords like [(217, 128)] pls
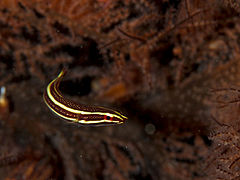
[(75, 112)]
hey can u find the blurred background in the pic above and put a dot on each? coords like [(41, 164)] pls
[(172, 67)]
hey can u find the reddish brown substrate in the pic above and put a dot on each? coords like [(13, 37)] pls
[(168, 65)]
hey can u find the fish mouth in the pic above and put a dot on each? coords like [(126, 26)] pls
[(124, 118)]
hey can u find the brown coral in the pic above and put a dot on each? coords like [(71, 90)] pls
[(164, 63)]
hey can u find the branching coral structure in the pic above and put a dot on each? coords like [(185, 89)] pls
[(171, 66)]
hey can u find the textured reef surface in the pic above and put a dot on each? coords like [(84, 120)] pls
[(173, 67)]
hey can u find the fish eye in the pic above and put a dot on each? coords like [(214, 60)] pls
[(107, 117)]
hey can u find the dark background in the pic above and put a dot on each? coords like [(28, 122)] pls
[(171, 66)]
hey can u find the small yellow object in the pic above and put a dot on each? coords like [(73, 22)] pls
[(3, 99), (4, 103)]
